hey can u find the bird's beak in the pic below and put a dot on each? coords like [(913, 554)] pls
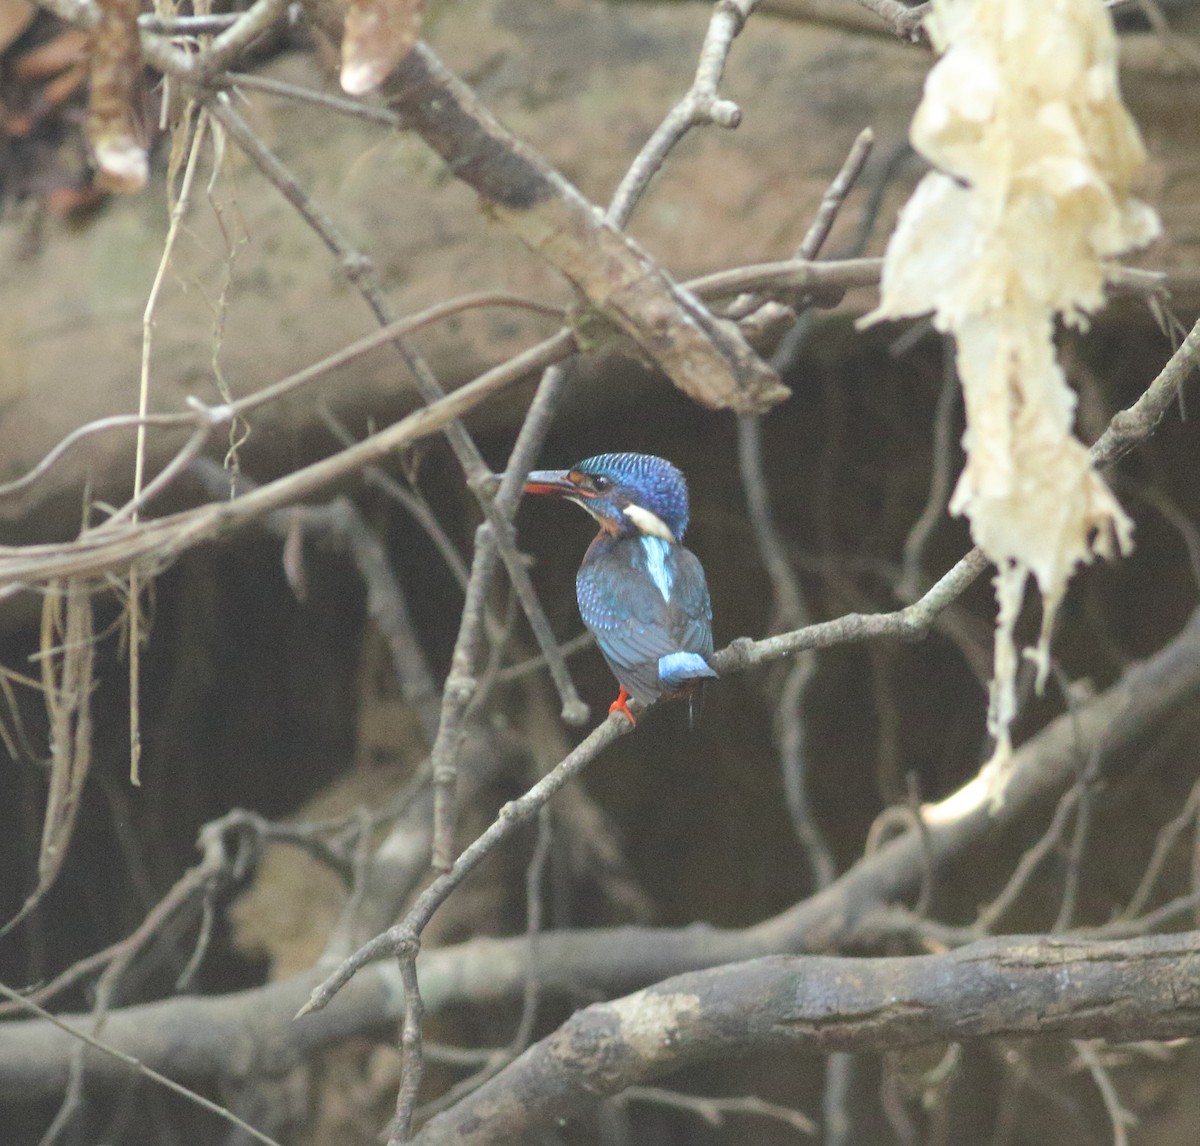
[(554, 482)]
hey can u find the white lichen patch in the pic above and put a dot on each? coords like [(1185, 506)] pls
[(1036, 154), (650, 1020)]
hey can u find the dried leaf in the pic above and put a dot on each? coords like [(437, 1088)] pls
[(15, 17), (67, 650), (116, 59), (378, 35), (1023, 116)]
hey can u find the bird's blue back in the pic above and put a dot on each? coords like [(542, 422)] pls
[(646, 599)]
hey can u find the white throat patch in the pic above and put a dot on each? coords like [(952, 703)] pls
[(656, 550), (649, 524)]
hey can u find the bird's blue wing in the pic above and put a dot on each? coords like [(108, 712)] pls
[(622, 601), (691, 599)]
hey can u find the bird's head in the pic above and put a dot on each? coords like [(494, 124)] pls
[(628, 494)]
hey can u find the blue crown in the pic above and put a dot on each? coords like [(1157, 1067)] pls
[(645, 480)]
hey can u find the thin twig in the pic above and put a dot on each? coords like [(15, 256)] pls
[(701, 105), (575, 645), (715, 1110), (511, 816), (168, 536), (1119, 1117), (554, 346), (351, 107), (466, 657), (487, 970), (491, 1062), (1179, 45), (230, 44), (339, 524), (410, 1044), (197, 441), (835, 195), (790, 608), (409, 498), (128, 1059), (1051, 839), (941, 474), (903, 20), (187, 25), (361, 273), (1164, 843)]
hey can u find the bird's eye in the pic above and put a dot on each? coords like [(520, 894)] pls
[(601, 484)]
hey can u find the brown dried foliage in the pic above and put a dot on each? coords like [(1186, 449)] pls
[(119, 155)]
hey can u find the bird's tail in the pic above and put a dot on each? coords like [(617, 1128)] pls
[(686, 671)]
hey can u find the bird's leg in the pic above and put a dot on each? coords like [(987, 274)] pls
[(621, 705)]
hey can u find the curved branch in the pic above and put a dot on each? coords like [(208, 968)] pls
[(252, 1032), (1127, 989)]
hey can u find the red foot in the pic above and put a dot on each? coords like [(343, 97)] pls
[(620, 705)]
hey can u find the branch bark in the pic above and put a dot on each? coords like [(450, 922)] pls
[(1132, 989), (706, 358), (252, 1032)]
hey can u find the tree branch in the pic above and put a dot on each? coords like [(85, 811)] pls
[(1128, 989), (252, 1032), (707, 359)]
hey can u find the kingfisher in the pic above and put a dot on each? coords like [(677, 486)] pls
[(641, 593)]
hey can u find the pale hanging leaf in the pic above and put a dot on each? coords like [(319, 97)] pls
[(1036, 155), (116, 65), (378, 34)]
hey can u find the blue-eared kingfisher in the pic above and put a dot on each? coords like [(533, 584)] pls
[(641, 593)]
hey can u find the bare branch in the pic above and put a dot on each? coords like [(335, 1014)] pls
[(701, 105), (130, 1061), (193, 1037), (1136, 988), (706, 359)]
